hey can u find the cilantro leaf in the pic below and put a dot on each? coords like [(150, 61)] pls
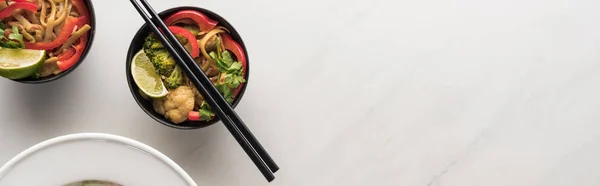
[(221, 65), (2, 26), (11, 44), (213, 55), (226, 56), (15, 37), (233, 81), (235, 68), (226, 91), (205, 113)]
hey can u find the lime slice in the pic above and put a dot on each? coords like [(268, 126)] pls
[(20, 63), (145, 76)]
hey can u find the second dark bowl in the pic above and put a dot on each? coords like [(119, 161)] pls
[(136, 45)]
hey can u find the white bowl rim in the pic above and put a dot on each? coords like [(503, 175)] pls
[(96, 136)]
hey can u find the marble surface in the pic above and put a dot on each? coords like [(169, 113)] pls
[(356, 92)]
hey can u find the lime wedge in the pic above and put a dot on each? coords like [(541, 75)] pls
[(20, 63), (145, 76)]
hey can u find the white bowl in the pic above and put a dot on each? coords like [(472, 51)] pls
[(92, 156)]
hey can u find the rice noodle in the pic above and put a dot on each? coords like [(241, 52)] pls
[(43, 13), (26, 24), (66, 9), (51, 22), (28, 36)]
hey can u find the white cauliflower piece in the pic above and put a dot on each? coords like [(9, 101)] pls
[(176, 105)]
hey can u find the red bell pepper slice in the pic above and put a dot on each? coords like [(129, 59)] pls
[(195, 116), (62, 37), (239, 53), (82, 9), (204, 23), (65, 64), (79, 48), (190, 37), (6, 12), (67, 54)]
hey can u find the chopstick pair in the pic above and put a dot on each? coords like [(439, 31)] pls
[(223, 110)]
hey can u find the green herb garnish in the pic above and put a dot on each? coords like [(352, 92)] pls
[(14, 40), (205, 113), (230, 72)]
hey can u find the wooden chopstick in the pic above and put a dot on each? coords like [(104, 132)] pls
[(209, 92)]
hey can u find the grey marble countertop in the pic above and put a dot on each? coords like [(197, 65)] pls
[(357, 92)]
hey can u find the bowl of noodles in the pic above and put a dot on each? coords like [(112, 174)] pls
[(170, 98), (44, 40)]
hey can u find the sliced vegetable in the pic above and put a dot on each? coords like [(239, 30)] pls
[(79, 48), (234, 47), (189, 36), (239, 53), (206, 24), (194, 116), (6, 12), (203, 114), (230, 76), (67, 54), (82, 9), (62, 37)]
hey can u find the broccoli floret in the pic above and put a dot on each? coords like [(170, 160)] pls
[(151, 45), (163, 62), (159, 56), (175, 79)]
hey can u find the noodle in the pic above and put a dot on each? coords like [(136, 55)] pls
[(28, 36), (26, 24), (50, 23), (43, 13), (64, 13)]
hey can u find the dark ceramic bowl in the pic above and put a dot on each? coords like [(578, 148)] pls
[(91, 34), (136, 45)]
